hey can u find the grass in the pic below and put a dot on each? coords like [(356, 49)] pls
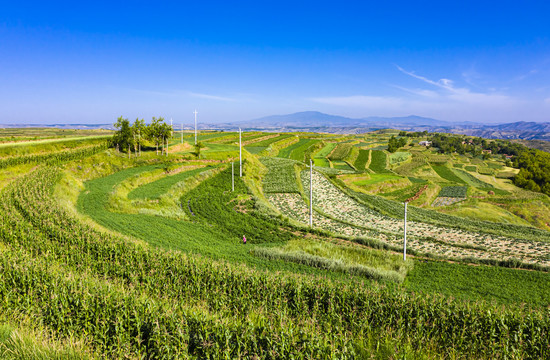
[(493, 284), (341, 165), (340, 152), (472, 180), (155, 189), (280, 177), (447, 174), (299, 152), (287, 151), (322, 162), (378, 161), (365, 262), (472, 168), (362, 159)]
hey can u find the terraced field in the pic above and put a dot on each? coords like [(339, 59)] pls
[(108, 256)]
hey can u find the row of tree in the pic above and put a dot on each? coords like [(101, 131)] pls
[(131, 136)]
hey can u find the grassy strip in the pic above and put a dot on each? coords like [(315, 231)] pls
[(155, 189), (304, 258)]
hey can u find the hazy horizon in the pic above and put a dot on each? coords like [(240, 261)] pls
[(236, 62)]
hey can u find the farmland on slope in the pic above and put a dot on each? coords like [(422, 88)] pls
[(143, 257)]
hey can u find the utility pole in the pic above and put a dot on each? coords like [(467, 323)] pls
[(182, 134), (310, 193), (240, 156), (139, 137), (232, 176), (195, 126), (405, 235)]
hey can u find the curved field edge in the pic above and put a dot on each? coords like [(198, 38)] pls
[(440, 325)]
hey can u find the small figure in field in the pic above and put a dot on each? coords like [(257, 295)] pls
[(244, 239)]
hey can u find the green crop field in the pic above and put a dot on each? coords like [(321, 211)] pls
[(378, 161), (447, 174), (362, 159), (454, 191), (120, 255)]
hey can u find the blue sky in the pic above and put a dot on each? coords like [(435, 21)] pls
[(75, 62)]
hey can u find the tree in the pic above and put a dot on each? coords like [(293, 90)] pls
[(123, 136), (198, 148), (154, 131), (138, 130)]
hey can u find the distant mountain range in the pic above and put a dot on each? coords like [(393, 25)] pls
[(315, 121), (320, 122)]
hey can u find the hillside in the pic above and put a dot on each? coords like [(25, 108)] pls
[(107, 254)]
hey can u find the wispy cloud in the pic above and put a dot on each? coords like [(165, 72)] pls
[(526, 75), (449, 92), (210, 97)]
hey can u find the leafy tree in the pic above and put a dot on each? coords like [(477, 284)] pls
[(155, 131), (198, 148), (123, 138), (138, 130)]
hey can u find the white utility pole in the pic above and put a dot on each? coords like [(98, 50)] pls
[(310, 192), (232, 176), (182, 134), (240, 156), (405, 235), (139, 137), (195, 126)]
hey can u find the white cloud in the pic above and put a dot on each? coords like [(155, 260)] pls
[(210, 97)]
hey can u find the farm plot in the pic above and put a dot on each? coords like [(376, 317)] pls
[(340, 152), (281, 176), (472, 180), (399, 156), (287, 151), (447, 174), (446, 200), (155, 189), (454, 191), (379, 161), (327, 149), (298, 153), (449, 242), (362, 160), (321, 162), (341, 165)]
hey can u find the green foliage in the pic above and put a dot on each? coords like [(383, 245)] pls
[(447, 174), (378, 161), (362, 159), (472, 168), (399, 156), (287, 151), (489, 283), (394, 143), (472, 180), (281, 176), (454, 191), (53, 158), (155, 189), (340, 152)]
